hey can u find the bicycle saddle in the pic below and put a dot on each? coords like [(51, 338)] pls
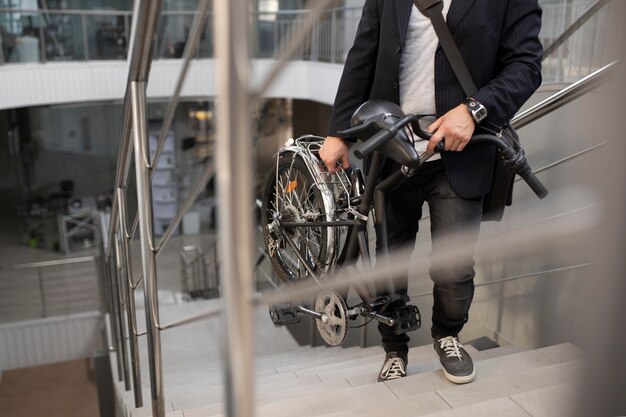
[(374, 115)]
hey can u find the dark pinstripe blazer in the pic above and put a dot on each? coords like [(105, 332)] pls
[(499, 43)]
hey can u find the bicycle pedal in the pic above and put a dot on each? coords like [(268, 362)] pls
[(283, 314), (387, 302), (407, 318)]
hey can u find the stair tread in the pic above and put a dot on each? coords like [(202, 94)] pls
[(553, 401), (413, 395), (563, 352), (320, 361), (423, 360), (530, 380), (501, 351), (421, 404), (485, 370)]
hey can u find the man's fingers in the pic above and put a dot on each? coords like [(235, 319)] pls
[(435, 125), (434, 141), (345, 161)]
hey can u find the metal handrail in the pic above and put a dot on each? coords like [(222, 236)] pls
[(40, 267), (566, 159), (69, 12), (564, 96), (45, 264)]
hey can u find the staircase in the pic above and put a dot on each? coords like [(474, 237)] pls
[(339, 382)]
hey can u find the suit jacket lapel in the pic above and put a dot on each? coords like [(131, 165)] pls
[(403, 14), (458, 9)]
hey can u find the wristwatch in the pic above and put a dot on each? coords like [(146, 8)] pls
[(476, 109)]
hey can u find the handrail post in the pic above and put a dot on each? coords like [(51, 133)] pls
[(43, 54), (83, 25), (148, 256), (234, 186), (120, 314), (130, 298), (333, 36), (42, 293), (109, 300), (1, 56), (113, 318)]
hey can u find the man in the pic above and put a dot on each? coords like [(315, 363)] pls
[(396, 56)]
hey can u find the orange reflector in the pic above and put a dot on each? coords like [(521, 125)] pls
[(292, 185)]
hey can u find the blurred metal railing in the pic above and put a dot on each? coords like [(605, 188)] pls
[(49, 288), (91, 35), (580, 46), (234, 180), (569, 31), (197, 281)]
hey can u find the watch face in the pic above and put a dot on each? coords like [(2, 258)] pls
[(480, 114), (477, 110)]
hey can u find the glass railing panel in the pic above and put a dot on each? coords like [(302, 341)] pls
[(173, 32), (206, 47), (585, 51), (55, 35), (107, 36), (62, 36)]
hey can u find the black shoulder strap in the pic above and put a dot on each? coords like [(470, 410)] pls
[(433, 9)]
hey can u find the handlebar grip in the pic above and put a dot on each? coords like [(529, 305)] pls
[(367, 147), (533, 182)]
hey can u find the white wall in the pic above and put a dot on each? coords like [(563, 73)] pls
[(57, 339), (26, 85)]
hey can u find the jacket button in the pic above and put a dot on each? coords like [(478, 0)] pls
[(395, 86)]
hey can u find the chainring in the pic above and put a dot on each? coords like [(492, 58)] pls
[(333, 327)]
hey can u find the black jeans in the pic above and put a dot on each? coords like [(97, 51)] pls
[(455, 223)]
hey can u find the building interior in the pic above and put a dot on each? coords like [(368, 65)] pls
[(135, 288)]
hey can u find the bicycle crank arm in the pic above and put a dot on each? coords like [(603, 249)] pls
[(379, 317), (317, 316)]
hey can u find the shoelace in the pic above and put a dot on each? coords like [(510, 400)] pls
[(394, 368), (451, 346)]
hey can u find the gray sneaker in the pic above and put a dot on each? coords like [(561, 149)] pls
[(394, 367), (457, 364)]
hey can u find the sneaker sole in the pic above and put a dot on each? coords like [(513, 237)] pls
[(460, 379)]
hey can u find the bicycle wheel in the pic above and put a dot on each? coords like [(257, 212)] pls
[(292, 196)]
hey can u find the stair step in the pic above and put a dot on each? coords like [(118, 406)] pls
[(421, 404), (485, 370), (377, 399), (554, 401), (501, 351), (423, 359), (563, 352), (348, 354), (484, 390), (501, 407), (310, 406)]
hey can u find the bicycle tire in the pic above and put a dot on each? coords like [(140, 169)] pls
[(298, 199)]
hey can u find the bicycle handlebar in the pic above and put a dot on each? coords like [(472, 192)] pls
[(370, 145), (513, 158)]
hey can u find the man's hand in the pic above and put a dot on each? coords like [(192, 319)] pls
[(334, 150), (456, 126)]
